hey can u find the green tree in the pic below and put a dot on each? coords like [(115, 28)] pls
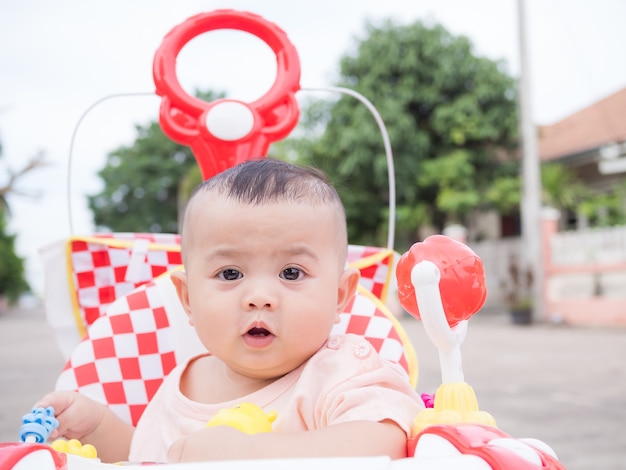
[(452, 121), (12, 273), (144, 183), (605, 209), (560, 188), (12, 277), (141, 184), (9, 187)]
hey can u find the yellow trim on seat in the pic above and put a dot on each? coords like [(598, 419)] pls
[(376, 258), (119, 243), (80, 324), (110, 242), (409, 351)]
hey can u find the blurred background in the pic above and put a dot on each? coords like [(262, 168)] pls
[(60, 58)]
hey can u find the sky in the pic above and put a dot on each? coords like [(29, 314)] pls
[(59, 58)]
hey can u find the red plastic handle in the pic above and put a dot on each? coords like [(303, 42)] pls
[(226, 132)]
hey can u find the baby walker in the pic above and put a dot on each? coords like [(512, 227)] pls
[(116, 300)]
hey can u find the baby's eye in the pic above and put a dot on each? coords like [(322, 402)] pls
[(292, 274), (230, 275)]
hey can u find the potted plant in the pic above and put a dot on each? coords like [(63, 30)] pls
[(518, 292)]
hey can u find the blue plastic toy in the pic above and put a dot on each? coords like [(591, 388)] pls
[(38, 424)]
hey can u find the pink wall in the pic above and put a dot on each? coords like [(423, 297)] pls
[(594, 310)]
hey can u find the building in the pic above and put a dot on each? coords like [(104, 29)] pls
[(592, 142), (585, 268)]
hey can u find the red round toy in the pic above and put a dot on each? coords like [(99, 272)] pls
[(462, 283)]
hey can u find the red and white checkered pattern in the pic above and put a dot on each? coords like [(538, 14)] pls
[(376, 266), (100, 266), (365, 316), (133, 346), (125, 355)]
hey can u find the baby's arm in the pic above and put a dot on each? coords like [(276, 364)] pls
[(91, 423), (351, 439)]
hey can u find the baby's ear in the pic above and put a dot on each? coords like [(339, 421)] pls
[(348, 283), (179, 279)]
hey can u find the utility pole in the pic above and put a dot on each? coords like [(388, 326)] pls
[(531, 178)]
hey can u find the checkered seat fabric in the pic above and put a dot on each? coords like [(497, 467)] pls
[(105, 268), (129, 350), (377, 268), (85, 275), (126, 353)]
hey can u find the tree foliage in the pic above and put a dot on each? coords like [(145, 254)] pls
[(9, 186), (12, 273), (452, 122), (451, 118), (144, 184), (605, 209), (12, 276), (560, 188), (141, 184)]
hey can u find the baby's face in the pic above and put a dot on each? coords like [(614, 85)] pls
[(265, 282)]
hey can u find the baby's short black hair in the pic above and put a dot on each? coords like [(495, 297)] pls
[(271, 180)]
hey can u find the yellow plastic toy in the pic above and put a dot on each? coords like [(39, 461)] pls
[(74, 447), (454, 403), (246, 417)]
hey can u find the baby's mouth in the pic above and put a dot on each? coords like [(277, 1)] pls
[(258, 337), (258, 332)]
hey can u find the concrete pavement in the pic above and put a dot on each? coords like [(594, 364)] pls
[(563, 385)]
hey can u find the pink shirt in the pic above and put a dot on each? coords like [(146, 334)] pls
[(344, 381)]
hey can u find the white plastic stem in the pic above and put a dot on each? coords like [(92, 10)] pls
[(72, 142), (425, 277), (391, 171)]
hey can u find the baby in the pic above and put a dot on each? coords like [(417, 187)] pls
[(264, 250)]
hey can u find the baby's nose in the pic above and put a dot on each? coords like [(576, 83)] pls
[(261, 295)]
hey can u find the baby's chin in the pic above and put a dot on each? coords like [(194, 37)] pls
[(263, 371)]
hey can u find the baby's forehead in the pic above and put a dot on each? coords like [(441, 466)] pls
[(202, 207), (205, 197)]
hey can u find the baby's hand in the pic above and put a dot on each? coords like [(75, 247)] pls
[(78, 415), (214, 443)]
